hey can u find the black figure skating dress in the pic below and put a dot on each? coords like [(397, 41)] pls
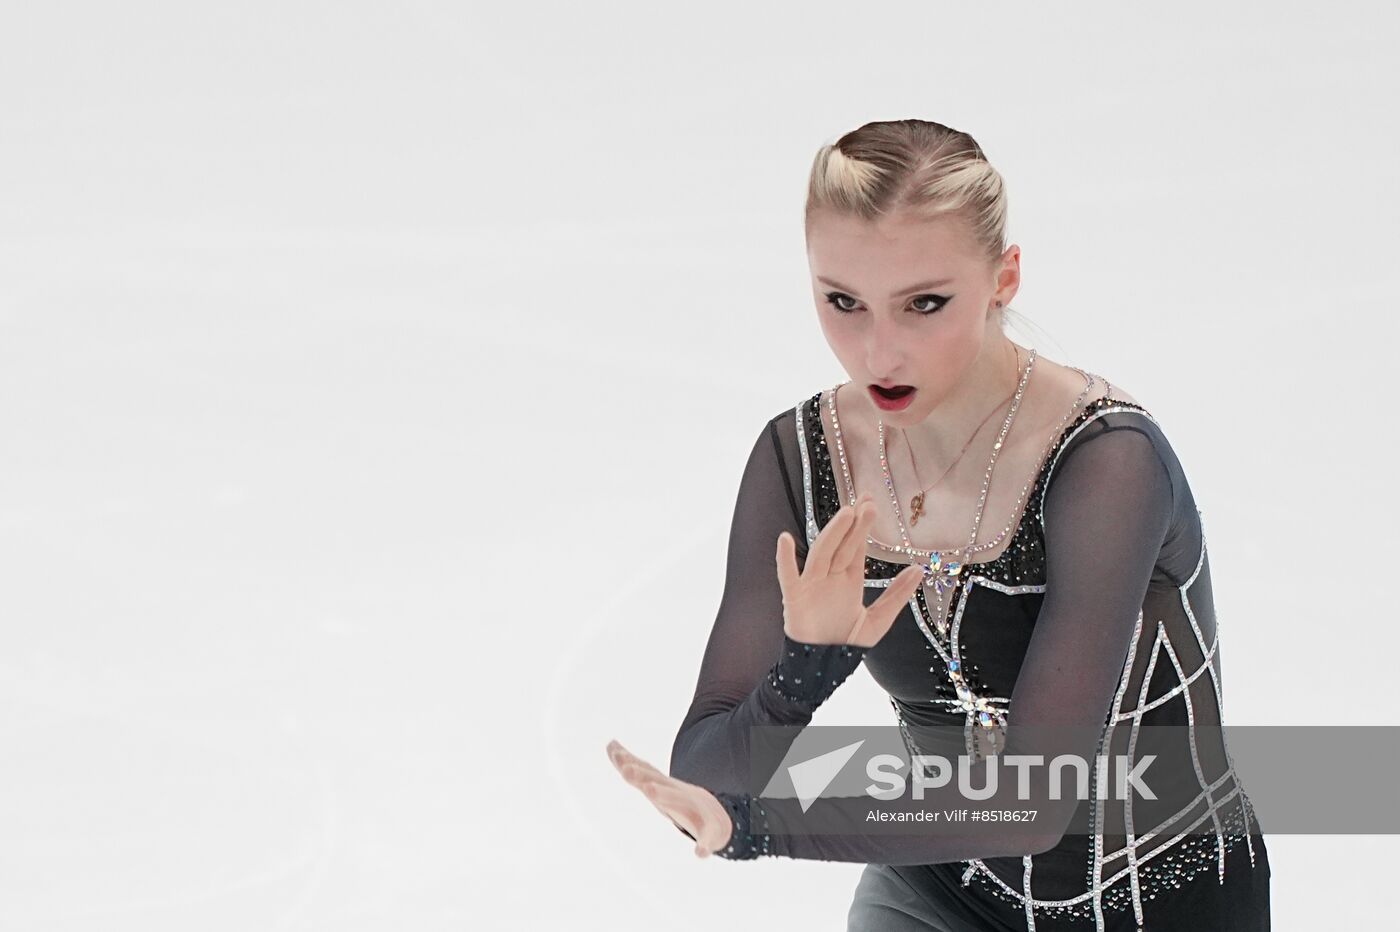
[(1098, 613)]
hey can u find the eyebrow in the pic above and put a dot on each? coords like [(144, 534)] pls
[(898, 294)]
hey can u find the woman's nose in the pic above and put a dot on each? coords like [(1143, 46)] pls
[(882, 350)]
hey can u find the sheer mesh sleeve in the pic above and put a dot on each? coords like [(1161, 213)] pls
[(752, 673), (1108, 507)]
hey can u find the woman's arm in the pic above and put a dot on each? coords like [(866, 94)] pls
[(1107, 512), (751, 673)]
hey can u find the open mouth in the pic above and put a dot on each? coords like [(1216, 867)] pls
[(899, 391)]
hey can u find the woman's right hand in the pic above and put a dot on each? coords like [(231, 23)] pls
[(823, 603)]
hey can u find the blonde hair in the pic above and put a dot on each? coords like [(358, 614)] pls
[(916, 166)]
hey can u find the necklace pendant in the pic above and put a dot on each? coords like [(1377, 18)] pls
[(916, 508)]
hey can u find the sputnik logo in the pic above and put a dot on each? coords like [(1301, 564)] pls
[(811, 777)]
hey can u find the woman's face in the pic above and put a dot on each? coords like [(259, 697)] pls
[(905, 301)]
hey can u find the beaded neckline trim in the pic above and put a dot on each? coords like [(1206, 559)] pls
[(812, 436)]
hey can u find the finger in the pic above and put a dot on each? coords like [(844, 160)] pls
[(631, 773), (829, 541), (863, 515), (788, 573), (856, 636), (677, 803), (636, 771), (643, 775), (671, 797), (646, 779), (853, 545), (880, 615), (633, 769), (876, 619), (674, 802), (621, 755), (615, 752)]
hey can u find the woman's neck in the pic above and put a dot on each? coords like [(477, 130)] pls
[(988, 386)]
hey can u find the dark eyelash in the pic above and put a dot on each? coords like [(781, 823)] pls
[(831, 298)]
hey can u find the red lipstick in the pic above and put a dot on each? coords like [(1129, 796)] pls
[(894, 398)]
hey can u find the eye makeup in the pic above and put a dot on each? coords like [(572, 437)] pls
[(834, 298)]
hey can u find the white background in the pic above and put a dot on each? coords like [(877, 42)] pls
[(377, 379)]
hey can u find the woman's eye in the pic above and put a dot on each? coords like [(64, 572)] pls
[(938, 302), (834, 298)]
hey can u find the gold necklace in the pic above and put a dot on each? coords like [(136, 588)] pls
[(940, 571), (916, 504), (1090, 380)]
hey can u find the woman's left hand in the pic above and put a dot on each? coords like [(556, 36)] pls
[(692, 807)]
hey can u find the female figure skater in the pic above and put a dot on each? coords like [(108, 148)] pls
[(1085, 601)]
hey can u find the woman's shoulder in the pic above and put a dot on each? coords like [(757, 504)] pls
[(795, 433), (1129, 442), (1067, 381), (1122, 429), (1074, 395), (1107, 406), (801, 409), (1116, 392), (1106, 410)]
